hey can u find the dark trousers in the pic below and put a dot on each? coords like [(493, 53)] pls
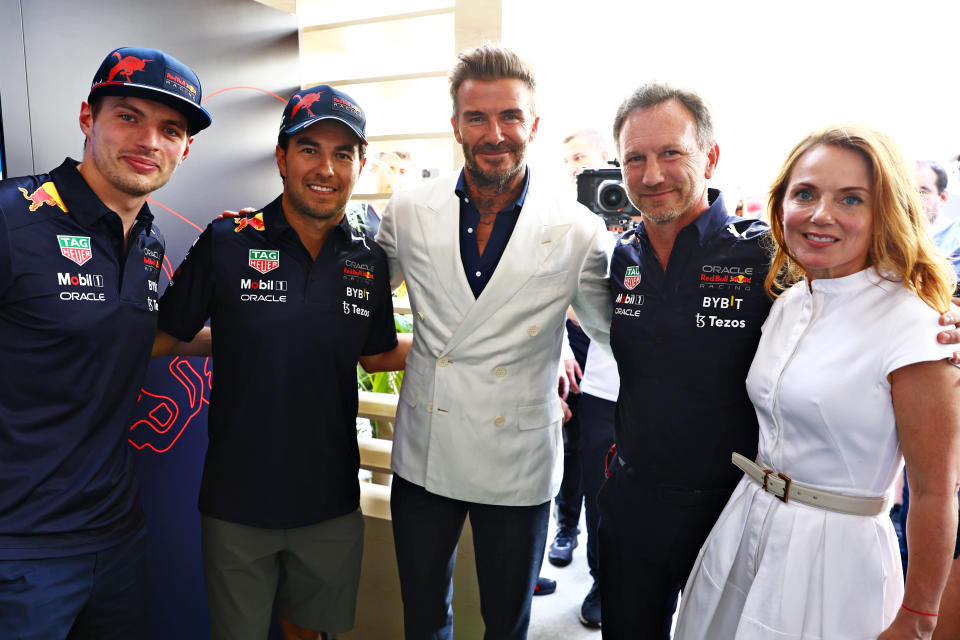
[(92, 596), (570, 496), (596, 437), (508, 543), (650, 535)]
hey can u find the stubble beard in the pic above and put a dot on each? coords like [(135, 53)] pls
[(499, 180), (128, 182)]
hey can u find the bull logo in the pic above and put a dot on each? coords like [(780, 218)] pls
[(255, 222), (45, 194), (126, 67), (304, 102)]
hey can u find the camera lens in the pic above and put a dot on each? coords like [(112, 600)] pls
[(611, 196)]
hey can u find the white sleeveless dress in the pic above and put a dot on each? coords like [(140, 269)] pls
[(772, 571)]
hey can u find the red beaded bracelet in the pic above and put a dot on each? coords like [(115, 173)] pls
[(932, 615)]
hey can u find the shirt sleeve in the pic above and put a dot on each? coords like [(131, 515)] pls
[(592, 303), (383, 332), (913, 334), (6, 256), (387, 239), (187, 301)]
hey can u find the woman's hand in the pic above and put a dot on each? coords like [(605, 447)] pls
[(909, 626)]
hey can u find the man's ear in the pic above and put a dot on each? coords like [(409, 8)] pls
[(281, 162), (86, 119), (186, 150), (456, 130), (713, 156)]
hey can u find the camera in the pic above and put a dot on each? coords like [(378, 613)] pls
[(602, 191)]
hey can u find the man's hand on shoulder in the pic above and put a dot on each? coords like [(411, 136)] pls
[(227, 213), (951, 335)]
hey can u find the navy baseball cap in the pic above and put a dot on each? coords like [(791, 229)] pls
[(322, 102), (153, 75)]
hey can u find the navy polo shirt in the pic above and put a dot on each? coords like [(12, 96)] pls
[(287, 332), (77, 319), (480, 268), (684, 339)]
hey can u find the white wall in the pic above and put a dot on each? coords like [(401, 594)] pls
[(772, 70)]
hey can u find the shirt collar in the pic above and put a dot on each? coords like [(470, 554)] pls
[(275, 221), (81, 202), (461, 191)]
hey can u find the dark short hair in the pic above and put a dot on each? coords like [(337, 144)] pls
[(652, 94), (937, 169), (489, 62)]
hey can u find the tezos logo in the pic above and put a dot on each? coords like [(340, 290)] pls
[(76, 248), (264, 260)]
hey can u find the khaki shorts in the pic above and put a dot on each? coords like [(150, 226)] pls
[(313, 571)]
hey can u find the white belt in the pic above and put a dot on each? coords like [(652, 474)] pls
[(786, 489)]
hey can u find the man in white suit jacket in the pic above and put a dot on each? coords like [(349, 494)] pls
[(492, 258)]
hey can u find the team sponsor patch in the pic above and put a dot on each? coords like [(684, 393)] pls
[(352, 269), (721, 323), (46, 193), (725, 277), (633, 299), (349, 307), (632, 277), (75, 248), (264, 260), (151, 258), (67, 279), (255, 222)]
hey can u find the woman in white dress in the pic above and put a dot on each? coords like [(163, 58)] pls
[(845, 378)]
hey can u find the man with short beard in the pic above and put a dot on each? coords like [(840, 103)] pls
[(80, 261), (492, 257), (295, 296)]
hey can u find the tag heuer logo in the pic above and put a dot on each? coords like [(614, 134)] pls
[(264, 261), (632, 277), (76, 248)]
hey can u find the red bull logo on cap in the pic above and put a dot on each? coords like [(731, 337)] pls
[(264, 260), (45, 194), (127, 66)]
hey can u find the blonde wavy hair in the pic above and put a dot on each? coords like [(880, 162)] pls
[(901, 248)]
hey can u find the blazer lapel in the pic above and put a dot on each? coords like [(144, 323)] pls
[(439, 220), (533, 239)]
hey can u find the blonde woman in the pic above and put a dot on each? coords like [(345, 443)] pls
[(845, 379)]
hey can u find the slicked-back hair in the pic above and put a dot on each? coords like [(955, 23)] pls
[(937, 169), (490, 62), (652, 94)]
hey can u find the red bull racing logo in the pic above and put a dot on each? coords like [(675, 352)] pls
[(632, 277), (254, 222), (44, 194), (75, 248), (126, 67), (304, 102), (740, 279), (264, 261)]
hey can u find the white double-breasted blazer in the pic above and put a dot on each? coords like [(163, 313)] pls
[(479, 416)]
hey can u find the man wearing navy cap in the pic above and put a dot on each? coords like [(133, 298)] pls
[(79, 266), (295, 296)]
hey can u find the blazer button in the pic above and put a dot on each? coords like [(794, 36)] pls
[(444, 361), (429, 406), (533, 330), (500, 372), (499, 421), (420, 315)]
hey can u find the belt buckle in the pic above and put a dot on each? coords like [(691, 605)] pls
[(786, 485)]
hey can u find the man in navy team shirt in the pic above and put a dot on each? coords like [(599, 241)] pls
[(295, 296), (79, 265)]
